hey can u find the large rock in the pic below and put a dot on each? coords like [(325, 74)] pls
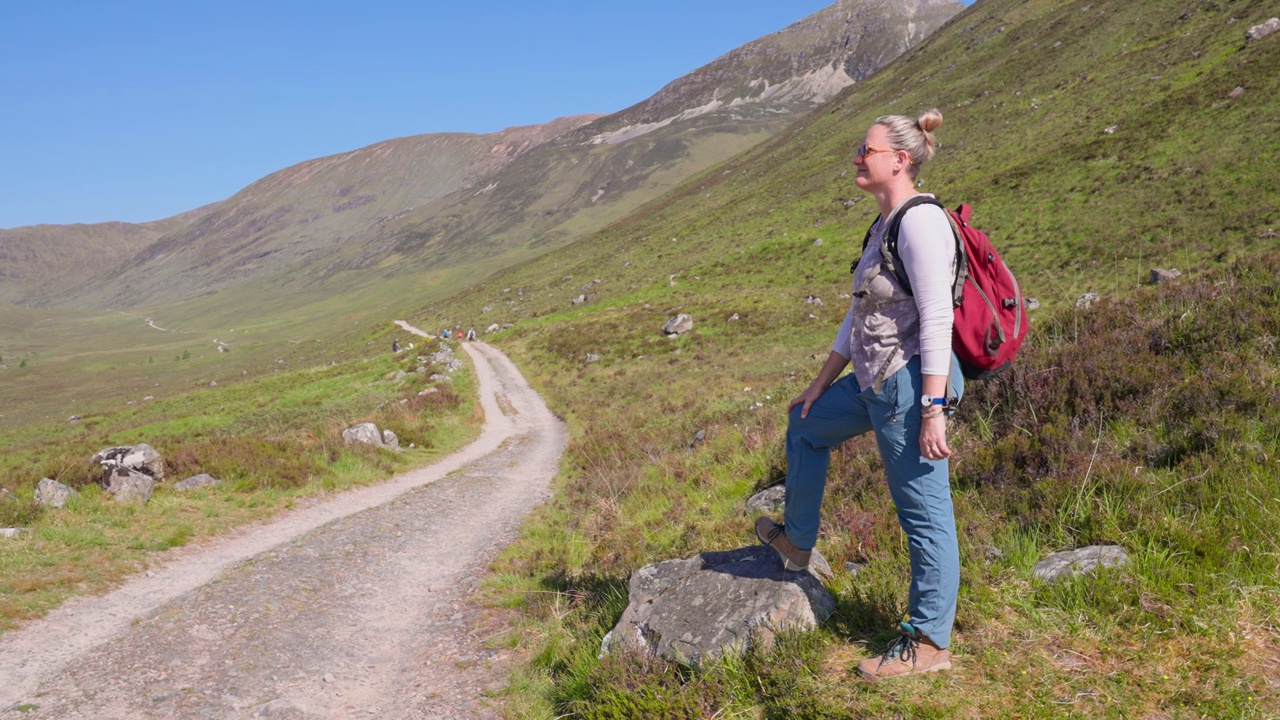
[(1084, 560), (366, 433), (1257, 32), (129, 486), (141, 457), (52, 493), (1161, 276), (678, 325), (714, 603), (390, 440)]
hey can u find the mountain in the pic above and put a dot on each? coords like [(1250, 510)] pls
[(279, 220), (465, 202)]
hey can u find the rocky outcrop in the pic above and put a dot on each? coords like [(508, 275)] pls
[(714, 603)]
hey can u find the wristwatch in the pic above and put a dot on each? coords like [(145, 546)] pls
[(928, 401)]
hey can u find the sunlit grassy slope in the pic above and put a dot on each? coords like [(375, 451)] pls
[(1097, 140)]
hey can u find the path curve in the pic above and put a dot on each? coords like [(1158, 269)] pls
[(355, 607)]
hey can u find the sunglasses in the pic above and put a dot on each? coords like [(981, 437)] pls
[(861, 152)]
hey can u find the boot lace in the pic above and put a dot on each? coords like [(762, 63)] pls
[(904, 648)]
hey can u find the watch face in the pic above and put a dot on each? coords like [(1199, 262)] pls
[(926, 400)]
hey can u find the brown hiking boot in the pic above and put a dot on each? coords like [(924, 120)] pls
[(775, 536), (911, 653)]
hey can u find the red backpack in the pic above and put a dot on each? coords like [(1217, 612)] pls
[(991, 317)]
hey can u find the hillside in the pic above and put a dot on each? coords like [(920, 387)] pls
[(471, 203), (1096, 140)]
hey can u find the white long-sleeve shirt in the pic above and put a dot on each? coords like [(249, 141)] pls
[(886, 327)]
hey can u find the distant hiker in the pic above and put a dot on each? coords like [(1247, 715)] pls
[(395, 345), (905, 381), (471, 334)]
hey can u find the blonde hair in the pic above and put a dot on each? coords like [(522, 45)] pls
[(913, 135)]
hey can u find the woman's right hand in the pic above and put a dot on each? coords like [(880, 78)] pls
[(807, 399)]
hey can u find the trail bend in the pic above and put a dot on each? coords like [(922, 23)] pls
[(356, 607)]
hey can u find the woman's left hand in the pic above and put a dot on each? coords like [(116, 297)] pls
[(933, 438)]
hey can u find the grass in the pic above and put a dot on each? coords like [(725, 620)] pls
[(1147, 421), (272, 440)]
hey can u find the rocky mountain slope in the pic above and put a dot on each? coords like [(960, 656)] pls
[(466, 202)]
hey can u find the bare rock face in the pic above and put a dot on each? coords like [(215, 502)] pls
[(129, 486), (141, 457), (1084, 560), (713, 603), (678, 325), (52, 493)]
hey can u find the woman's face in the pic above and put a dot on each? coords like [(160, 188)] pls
[(877, 166)]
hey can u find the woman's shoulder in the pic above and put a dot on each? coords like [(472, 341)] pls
[(925, 215)]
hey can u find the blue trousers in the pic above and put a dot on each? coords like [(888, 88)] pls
[(920, 488)]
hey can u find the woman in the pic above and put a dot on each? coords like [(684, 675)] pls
[(904, 373)]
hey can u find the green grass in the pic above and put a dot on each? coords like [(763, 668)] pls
[(1147, 421), (271, 439)]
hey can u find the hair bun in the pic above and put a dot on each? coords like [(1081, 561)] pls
[(929, 120)]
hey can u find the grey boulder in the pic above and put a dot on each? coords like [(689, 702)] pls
[(129, 486), (141, 457), (678, 325), (769, 500), (716, 603), (52, 493), (366, 433)]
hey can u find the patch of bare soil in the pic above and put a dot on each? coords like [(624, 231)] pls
[(355, 608)]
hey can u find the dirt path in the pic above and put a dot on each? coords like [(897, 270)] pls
[(354, 608)]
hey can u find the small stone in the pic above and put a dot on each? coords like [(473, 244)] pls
[(1086, 301), (328, 677), (1032, 304), (1237, 92)]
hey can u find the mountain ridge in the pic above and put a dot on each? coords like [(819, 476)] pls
[(326, 221)]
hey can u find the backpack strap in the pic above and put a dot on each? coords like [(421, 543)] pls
[(892, 260)]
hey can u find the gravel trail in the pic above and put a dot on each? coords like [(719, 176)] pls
[(356, 607)]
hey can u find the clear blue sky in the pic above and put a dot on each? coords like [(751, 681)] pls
[(136, 111)]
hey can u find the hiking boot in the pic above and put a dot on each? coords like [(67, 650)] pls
[(775, 536), (910, 654)]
